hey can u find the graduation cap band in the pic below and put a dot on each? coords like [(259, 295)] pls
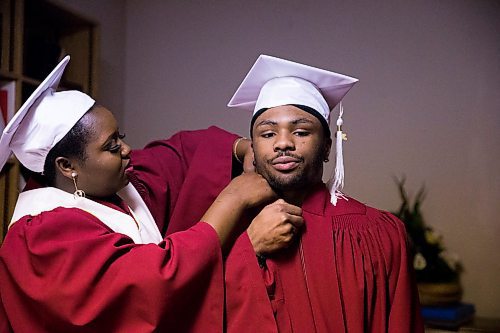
[(307, 109)]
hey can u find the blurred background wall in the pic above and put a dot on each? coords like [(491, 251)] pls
[(427, 105)]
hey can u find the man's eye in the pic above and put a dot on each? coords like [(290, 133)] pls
[(301, 133), (267, 135)]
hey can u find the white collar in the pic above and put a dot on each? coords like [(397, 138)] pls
[(34, 202)]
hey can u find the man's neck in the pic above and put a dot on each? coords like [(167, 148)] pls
[(297, 196)]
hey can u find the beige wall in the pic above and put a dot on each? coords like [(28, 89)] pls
[(427, 105)]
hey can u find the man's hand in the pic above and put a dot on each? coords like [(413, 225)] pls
[(275, 227)]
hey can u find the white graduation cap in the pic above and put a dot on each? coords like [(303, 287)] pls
[(43, 120), (274, 82)]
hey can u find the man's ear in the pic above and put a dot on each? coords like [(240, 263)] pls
[(64, 166), (328, 147)]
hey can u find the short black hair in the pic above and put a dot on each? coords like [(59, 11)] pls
[(72, 145)]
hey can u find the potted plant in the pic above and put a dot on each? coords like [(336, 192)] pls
[(437, 271)]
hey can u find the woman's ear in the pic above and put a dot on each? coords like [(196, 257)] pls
[(64, 166)]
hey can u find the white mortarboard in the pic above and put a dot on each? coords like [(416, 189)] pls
[(43, 120), (274, 82)]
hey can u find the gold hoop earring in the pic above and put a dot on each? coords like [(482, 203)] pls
[(78, 193)]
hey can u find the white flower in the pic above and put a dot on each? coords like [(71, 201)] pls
[(451, 259), (419, 262), (432, 237)]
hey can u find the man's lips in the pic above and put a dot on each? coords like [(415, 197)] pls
[(285, 163)]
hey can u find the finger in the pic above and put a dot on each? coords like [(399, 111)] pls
[(289, 229), (291, 209), (286, 207), (278, 202), (296, 221), (248, 161), (291, 235), (248, 167)]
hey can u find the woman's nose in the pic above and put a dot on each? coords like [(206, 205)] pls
[(125, 151)]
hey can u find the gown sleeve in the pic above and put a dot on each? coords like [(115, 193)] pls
[(404, 312), (71, 273), (179, 178), (4, 322), (65, 271)]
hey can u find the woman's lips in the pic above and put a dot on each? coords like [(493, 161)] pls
[(128, 167)]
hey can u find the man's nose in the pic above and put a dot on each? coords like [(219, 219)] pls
[(284, 141)]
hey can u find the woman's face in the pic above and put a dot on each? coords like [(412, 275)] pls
[(102, 173)]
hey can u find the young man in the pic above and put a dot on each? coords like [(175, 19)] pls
[(349, 269)]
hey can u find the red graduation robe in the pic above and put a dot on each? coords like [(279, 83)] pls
[(66, 271), (348, 272)]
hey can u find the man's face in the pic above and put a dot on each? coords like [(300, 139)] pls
[(289, 146)]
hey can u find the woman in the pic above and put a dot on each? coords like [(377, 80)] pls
[(86, 253)]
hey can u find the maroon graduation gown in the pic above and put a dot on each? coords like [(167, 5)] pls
[(348, 272), (65, 271)]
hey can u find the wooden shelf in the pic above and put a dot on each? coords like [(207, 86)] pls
[(5, 75), (35, 35)]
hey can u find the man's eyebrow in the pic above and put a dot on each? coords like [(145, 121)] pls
[(293, 122), (301, 121), (266, 122)]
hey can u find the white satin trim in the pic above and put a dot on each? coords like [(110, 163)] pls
[(45, 199)]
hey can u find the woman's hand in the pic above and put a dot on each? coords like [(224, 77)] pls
[(244, 152), (244, 192), (249, 190)]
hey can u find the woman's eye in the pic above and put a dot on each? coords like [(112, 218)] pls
[(115, 148)]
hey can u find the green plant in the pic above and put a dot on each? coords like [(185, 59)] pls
[(431, 261)]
